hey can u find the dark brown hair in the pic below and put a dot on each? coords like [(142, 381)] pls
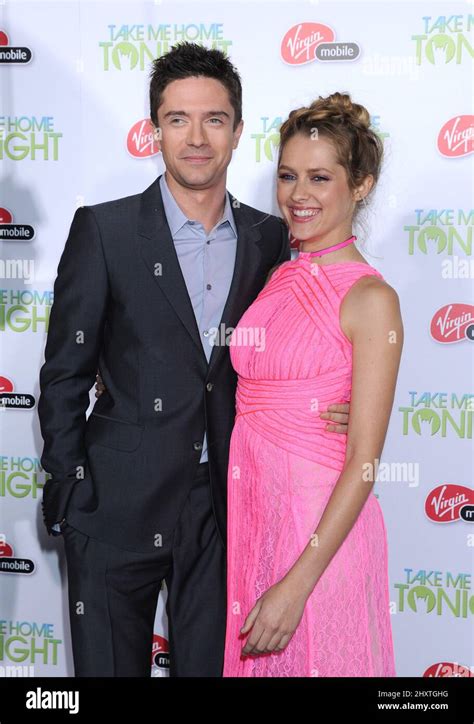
[(186, 60)]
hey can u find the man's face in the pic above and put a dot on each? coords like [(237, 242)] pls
[(197, 138)]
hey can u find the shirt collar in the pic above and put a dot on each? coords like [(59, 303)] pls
[(177, 218)]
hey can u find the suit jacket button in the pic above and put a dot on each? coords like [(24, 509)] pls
[(209, 386), (197, 446)]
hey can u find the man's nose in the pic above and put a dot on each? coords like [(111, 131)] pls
[(196, 135)]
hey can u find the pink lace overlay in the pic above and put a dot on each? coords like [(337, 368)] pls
[(283, 466)]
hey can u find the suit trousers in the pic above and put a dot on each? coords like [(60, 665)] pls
[(113, 595)]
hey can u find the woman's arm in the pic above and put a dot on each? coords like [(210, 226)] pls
[(371, 319)]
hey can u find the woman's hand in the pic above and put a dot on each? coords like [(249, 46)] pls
[(99, 385), (274, 619)]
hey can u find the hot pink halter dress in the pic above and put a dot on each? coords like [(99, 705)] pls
[(293, 360)]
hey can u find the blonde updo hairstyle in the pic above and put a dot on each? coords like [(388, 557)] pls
[(359, 150)]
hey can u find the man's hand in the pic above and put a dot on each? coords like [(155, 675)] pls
[(99, 385), (338, 414)]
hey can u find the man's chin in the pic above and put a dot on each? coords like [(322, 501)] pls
[(199, 177)]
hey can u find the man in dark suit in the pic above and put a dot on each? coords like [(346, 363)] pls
[(138, 490)]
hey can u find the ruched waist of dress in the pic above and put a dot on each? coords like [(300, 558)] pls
[(287, 413), (311, 395)]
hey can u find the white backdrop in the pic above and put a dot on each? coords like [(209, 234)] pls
[(73, 131)]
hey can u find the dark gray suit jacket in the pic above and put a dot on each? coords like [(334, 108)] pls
[(121, 306)]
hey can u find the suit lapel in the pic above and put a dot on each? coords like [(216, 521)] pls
[(247, 258), (159, 254)]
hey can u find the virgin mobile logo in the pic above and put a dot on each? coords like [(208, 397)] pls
[(6, 550), (448, 503), (453, 323), (140, 140), (14, 400), (306, 42), (300, 42), (160, 652), (12, 54), (456, 137), (9, 563), (9, 230), (446, 669)]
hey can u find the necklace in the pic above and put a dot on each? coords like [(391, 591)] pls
[(321, 252)]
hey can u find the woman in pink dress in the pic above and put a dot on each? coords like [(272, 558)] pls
[(307, 548)]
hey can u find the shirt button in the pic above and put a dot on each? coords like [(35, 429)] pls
[(208, 286), (209, 386), (206, 333), (197, 446), (208, 241)]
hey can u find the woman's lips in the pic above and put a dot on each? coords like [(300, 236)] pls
[(307, 217)]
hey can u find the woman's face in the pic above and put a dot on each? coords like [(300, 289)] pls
[(312, 191)]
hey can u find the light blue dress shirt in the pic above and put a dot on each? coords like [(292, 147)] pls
[(207, 263)]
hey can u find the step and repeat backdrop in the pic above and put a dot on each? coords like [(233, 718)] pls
[(74, 130)]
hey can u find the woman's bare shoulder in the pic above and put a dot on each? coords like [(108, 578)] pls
[(370, 303)]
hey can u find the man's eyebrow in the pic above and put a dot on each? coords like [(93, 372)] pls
[(205, 113)]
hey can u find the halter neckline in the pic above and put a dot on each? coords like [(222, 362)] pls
[(333, 247)]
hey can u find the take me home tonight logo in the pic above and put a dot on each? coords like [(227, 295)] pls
[(440, 593), (267, 136), (440, 414), (444, 40), (30, 137), (22, 477), (134, 47), (28, 642), (25, 310), (446, 234)]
